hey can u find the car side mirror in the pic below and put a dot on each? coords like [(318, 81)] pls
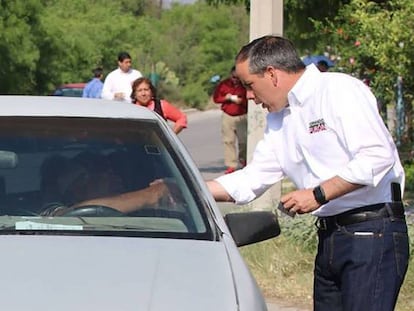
[(252, 227)]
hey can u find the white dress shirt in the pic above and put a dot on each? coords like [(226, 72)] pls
[(331, 127), (118, 81)]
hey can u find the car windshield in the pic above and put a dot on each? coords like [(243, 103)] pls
[(94, 176)]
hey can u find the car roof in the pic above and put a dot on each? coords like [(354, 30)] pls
[(16, 105), (73, 85)]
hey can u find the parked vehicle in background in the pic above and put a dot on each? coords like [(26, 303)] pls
[(83, 225), (69, 89)]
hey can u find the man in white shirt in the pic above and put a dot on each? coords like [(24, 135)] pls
[(324, 132), (118, 83)]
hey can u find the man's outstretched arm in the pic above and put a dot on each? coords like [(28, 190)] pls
[(219, 193)]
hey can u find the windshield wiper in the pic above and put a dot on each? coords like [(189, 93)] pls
[(7, 227), (119, 227)]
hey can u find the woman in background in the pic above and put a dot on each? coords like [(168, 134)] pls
[(144, 93)]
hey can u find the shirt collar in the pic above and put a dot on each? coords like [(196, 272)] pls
[(304, 87), (125, 73)]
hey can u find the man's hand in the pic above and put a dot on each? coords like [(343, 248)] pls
[(300, 201), (232, 98), (303, 201), (119, 96), (169, 193)]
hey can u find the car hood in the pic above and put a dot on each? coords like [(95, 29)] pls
[(114, 273)]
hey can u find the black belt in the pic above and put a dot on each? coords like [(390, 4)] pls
[(360, 214)]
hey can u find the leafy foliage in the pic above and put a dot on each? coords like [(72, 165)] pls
[(355, 34), (230, 2), (206, 41), (79, 35), (18, 45), (298, 16), (300, 230), (49, 42), (409, 176), (367, 37)]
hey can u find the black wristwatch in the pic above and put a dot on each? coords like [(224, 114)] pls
[(319, 195)]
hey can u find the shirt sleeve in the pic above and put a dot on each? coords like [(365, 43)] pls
[(86, 90), (219, 95), (363, 132), (259, 175), (138, 75), (98, 93), (173, 114), (107, 87)]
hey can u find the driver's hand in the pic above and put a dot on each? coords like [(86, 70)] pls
[(170, 195), (53, 209)]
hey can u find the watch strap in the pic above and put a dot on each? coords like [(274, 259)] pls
[(319, 195)]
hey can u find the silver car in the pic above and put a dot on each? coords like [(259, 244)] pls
[(102, 208)]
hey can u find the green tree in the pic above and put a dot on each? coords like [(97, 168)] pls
[(45, 43), (18, 47), (141, 7), (202, 42), (369, 39), (78, 35), (49, 42), (298, 16)]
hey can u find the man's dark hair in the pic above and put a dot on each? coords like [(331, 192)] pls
[(273, 51), (97, 72), (123, 55), (322, 65)]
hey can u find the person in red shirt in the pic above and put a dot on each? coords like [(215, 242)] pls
[(144, 93), (231, 95)]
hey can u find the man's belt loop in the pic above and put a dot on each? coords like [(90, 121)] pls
[(321, 224)]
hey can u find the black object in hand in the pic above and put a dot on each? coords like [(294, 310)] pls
[(281, 208)]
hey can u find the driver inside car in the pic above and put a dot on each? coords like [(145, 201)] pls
[(89, 180)]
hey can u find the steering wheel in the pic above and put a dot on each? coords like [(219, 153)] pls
[(92, 211)]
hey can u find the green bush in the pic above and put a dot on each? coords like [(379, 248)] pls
[(409, 176), (300, 230), (194, 96)]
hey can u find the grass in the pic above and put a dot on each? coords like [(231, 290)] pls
[(283, 267)]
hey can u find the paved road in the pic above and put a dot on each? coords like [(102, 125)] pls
[(203, 141)]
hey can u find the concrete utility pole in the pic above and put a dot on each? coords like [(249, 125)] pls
[(266, 17)]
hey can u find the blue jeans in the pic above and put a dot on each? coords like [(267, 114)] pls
[(361, 267)]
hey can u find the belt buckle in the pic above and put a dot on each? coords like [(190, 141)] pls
[(321, 224)]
